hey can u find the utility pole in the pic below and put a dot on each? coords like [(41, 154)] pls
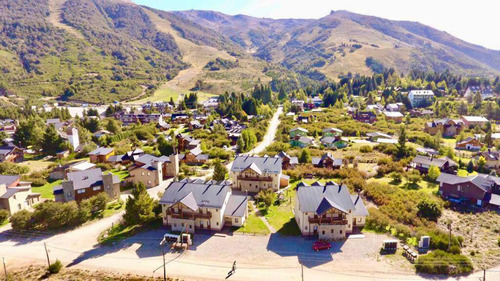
[(5, 269), (47, 253), (449, 238), (162, 244), (302, 269), (484, 274)]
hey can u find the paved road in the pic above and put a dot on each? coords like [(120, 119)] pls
[(266, 141)]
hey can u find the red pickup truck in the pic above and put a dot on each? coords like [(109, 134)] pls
[(320, 245)]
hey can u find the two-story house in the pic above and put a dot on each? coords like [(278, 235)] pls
[(85, 184), (152, 170), (287, 161), (447, 127), (190, 205), (253, 173), (329, 211), (16, 195), (475, 190), (471, 121)]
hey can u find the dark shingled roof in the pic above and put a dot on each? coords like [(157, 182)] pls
[(208, 195), (270, 165), (236, 206), (87, 178), (8, 180), (483, 181), (311, 198)]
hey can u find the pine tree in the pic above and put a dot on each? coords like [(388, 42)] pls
[(305, 156), (51, 141), (402, 142), (139, 208), (220, 171), (282, 94), (470, 167)]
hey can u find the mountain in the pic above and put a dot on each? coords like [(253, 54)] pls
[(106, 50), (345, 42)]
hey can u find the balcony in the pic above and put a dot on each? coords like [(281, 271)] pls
[(247, 178), (333, 221), (188, 215)]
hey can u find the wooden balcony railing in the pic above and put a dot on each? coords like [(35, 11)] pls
[(247, 178), (335, 221), (189, 215)]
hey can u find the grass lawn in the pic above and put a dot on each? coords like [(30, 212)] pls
[(281, 217), (164, 93), (46, 189), (122, 174), (255, 225), (36, 165), (112, 208), (120, 231), (5, 222)]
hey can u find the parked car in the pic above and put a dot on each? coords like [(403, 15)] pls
[(320, 245)]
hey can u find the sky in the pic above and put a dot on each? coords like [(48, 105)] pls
[(475, 21)]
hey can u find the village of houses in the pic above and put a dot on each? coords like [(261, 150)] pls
[(320, 210)]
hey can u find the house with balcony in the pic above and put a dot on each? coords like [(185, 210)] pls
[(253, 173), (190, 205), (395, 116), (328, 211), (365, 117), (16, 195), (82, 185)]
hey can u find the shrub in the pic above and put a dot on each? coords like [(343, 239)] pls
[(4, 214), (21, 220), (429, 209), (365, 149), (440, 262), (55, 267), (267, 196), (455, 250)]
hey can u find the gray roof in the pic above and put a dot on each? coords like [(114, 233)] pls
[(9, 192), (319, 199), (483, 181), (207, 195), (495, 199), (438, 162), (360, 209), (116, 158), (236, 206), (329, 140), (84, 179), (8, 180), (319, 160), (101, 151), (265, 164)]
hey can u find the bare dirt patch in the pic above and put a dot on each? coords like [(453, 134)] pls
[(480, 231)]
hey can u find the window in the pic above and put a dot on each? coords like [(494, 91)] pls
[(323, 232), (95, 188), (332, 230), (306, 227), (459, 188), (149, 182), (182, 224), (216, 210), (80, 191), (190, 226), (149, 174), (217, 223), (175, 225), (360, 219), (142, 173), (15, 197), (236, 220)]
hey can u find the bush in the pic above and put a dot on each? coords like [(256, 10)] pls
[(21, 220), (4, 214), (365, 149), (440, 262), (429, 209), (55, 267)]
